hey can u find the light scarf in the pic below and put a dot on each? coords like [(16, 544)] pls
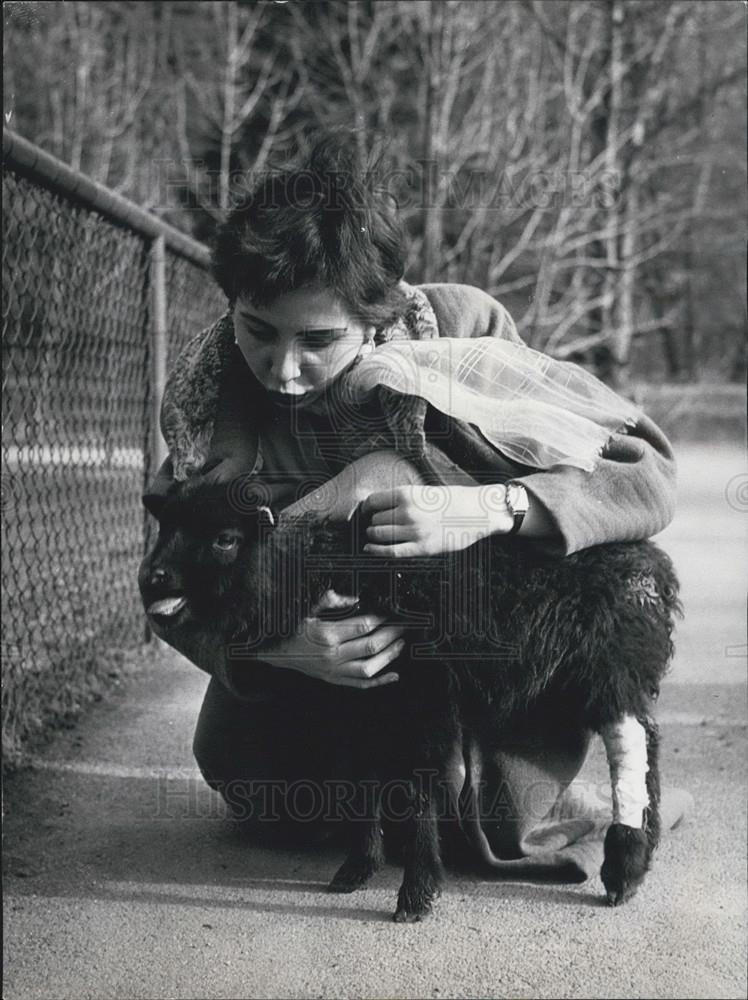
[(535, 410)]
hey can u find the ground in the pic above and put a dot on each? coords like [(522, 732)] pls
[(125, 880)]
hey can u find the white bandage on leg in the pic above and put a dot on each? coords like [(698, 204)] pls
[(626, 748)]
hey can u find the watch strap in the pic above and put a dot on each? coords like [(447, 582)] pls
[(518, 503)]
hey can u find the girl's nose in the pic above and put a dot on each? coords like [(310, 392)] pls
[(284, 364)]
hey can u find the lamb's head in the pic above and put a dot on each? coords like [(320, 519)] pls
[(206, 564)]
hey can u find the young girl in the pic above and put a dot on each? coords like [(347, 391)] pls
[(330, 381)]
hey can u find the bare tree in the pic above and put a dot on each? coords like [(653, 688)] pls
[(93, 68), (622, 95), (231, 82)]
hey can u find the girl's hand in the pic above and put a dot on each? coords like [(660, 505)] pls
[(352, 652), (428, 520)]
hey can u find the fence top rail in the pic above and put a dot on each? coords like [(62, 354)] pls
[(35, 163)]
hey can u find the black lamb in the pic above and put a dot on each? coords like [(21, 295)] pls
[(492, 630)]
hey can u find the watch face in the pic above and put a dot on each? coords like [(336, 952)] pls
[(516, 498)]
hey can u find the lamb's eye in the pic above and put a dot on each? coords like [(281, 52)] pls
[(226, 541)]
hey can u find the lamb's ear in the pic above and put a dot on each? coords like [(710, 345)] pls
[(160, 489), (154, 503), (265, 517)]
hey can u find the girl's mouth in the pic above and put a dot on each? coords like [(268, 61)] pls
[(285, 398), (288, 400)]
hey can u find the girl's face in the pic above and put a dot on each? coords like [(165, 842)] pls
[(298, 345)]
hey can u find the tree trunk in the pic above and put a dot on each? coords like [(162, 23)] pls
[(431, 209), (602, 355), (229, 100)]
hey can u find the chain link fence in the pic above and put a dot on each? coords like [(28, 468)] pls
[(80, 392)]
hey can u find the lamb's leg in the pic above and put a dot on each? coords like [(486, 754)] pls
[(652, 815), (632, 748), (423, 868), (366, 855)]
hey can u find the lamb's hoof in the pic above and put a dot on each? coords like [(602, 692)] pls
[(410, 917), (352, 875), (412, 907), (627, 857)]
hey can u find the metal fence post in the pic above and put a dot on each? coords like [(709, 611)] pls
[(158, 344)]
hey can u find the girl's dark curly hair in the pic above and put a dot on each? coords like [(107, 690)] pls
[(319, 223)]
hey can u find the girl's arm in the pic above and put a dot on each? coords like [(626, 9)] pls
[(628, 496), (413, 521)]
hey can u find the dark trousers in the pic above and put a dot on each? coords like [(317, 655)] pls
[(282, 764)]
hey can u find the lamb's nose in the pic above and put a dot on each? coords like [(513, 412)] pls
[(158, 578)]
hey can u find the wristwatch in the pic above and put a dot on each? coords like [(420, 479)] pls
[(518, 503)]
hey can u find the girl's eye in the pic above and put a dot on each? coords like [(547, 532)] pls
[(317, 343), (319, 338), (264, 336)]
